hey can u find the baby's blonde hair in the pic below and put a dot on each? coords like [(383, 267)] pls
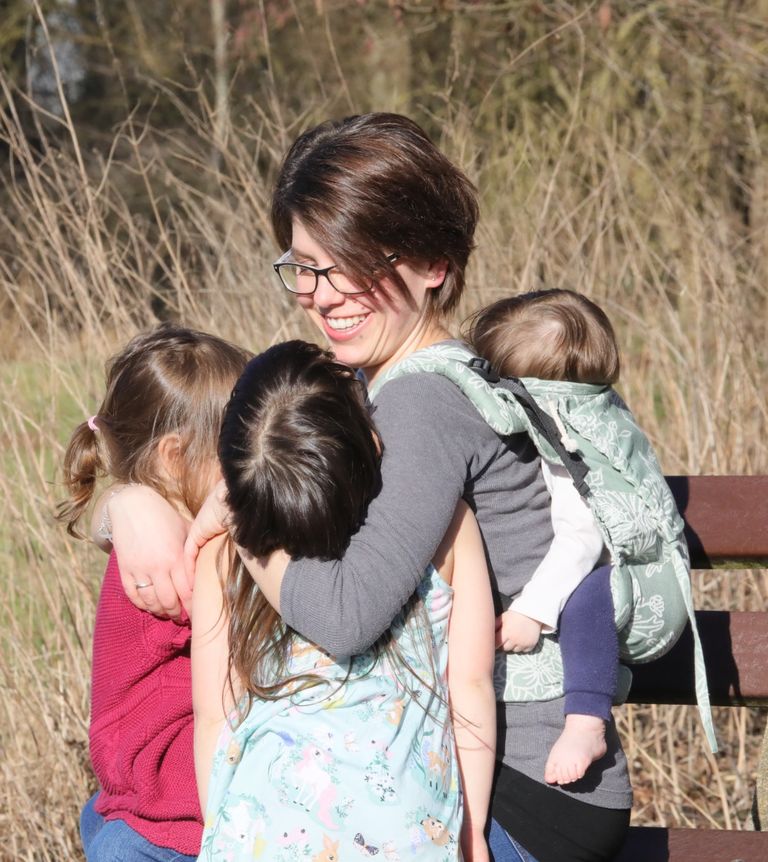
[(551, 334)]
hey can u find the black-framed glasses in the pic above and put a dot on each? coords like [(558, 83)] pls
[(301, 278)]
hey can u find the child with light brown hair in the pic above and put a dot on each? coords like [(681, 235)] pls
[(562, 335), (157, 424)]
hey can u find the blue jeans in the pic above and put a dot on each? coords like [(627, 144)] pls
[(504, 848), (115, 841)]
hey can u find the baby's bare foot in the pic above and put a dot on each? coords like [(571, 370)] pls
[(581, 743)]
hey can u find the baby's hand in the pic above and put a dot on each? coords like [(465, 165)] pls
[(516, 632)]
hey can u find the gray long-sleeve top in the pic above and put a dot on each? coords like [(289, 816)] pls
[(437, 449)]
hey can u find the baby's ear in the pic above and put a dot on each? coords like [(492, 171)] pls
[(169, 455)]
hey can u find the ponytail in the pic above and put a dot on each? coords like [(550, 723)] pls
[(84, 464)]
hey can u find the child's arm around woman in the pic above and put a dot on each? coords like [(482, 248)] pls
[(470, 673), (211, 693)]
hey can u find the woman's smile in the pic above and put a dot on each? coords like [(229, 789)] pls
[(338, 327), (375, 329)]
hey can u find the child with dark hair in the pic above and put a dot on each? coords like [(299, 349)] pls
[(157, 425), (326, 754), (562, 335)]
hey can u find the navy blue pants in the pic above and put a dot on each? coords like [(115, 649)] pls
[(590, 646)]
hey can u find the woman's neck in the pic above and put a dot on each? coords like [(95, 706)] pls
[(430, 333)]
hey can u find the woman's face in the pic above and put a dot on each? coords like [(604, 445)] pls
[(372, 330)]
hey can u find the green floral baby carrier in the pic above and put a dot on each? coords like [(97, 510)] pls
[(590, 431)]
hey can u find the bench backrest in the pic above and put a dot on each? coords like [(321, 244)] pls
[(727, 527)]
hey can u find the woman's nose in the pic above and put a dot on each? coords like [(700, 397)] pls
[(326, 295)]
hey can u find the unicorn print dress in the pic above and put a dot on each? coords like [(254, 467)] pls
[(362, 764)]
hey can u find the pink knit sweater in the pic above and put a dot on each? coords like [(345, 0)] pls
[(141, 721)]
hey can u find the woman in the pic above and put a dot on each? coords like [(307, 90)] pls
[(378, 227)]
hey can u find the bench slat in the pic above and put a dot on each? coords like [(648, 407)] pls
[(725, 516), (736, 654), (726, 519), (650, 844)]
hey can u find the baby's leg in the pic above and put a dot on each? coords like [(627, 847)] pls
[(590, 650)]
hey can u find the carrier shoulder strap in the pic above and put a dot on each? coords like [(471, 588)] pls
[(539, 419)]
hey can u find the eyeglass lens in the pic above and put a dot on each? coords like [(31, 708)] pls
[(301, 279)]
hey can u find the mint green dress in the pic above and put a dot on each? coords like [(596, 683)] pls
[(362, 765)]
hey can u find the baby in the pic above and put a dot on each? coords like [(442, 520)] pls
[(561, 335)]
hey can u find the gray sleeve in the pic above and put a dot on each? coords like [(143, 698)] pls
[(345, 605)]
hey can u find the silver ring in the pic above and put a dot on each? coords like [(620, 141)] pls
[(141, 586)]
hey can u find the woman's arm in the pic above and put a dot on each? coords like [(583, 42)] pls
[(211, 698), (470, 679), (430, 433), (147, 535)]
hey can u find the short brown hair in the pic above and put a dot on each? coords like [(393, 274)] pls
[(551, 334), (169, 380), (372, 185)]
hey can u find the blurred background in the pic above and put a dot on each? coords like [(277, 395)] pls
[(619, 149)]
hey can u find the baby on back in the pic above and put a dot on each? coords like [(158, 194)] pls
[(562, 335)]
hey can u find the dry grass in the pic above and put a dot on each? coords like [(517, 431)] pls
[(644, 206)]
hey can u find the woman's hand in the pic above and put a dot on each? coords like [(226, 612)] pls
[(148, 538), (211, 521)]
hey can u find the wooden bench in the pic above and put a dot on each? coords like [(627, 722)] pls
[(727, 527)]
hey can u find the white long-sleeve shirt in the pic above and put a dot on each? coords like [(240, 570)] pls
[(575, 549)]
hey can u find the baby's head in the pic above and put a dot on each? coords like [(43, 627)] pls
[(299, 453), (159, 420), (550, 334)]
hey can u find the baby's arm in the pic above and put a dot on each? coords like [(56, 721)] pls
[(211, 697), (575, 548), (470, 679)]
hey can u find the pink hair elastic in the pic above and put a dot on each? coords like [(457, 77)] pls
[(92, 423)]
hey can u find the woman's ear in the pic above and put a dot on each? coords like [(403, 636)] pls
[(436, 273), (169, 455)]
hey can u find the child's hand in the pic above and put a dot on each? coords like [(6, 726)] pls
[(474, 847), (210, 522), (516, 632)]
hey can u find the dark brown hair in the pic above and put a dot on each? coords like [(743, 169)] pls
[(298, 453), (551, 334), (300, 457), (300, 460), (372, 185), (169, 380)]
